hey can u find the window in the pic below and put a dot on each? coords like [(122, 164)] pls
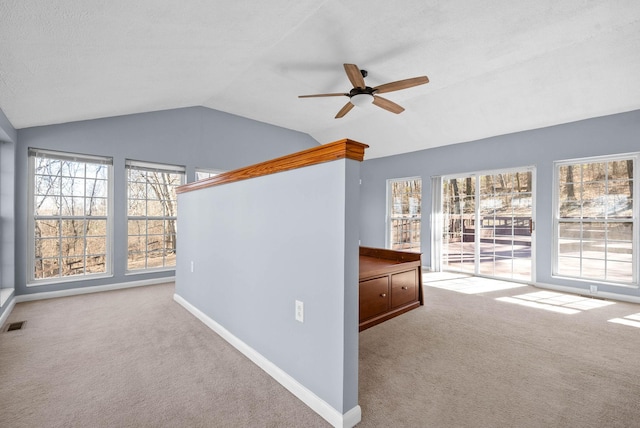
[(596, 219), (152, 211), (404, 220), (201, 174), (70, 227)]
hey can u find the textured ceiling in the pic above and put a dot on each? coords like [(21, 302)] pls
[(495, 66)]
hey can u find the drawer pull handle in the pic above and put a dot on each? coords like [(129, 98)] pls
[(383, 295), (405, 288)]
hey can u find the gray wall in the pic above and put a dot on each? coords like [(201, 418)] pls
[(614, 134), (7, 132), (191, 137), (257, 246), (8, 137)]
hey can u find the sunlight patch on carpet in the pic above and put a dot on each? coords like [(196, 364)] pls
[(472, 285), (443, 276), (537, 305), (557, 302), (632, 320)]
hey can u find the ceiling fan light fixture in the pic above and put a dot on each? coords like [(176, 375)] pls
[(361, 100)]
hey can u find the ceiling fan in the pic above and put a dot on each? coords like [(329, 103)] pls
[(361, 94)]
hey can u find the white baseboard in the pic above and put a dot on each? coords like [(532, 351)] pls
[(94, 289), (10, 304), (583, 292), (351, 418), (321, 407)]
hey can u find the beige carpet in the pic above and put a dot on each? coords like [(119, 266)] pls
[(467, 360), (134, 358)]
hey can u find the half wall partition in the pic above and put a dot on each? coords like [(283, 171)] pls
[(255, 242)]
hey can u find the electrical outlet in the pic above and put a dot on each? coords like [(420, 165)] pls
[(191, 266), (299, 311), (593, 289)]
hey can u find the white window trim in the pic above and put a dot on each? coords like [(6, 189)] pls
[(635, 282), (31, 280)]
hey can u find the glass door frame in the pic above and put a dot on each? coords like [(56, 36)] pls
[(439, 212)]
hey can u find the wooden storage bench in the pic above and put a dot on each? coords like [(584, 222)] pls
[(390, 284)]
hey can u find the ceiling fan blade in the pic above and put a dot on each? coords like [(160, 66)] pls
[(344, 110), (354, 75), (324, 95), (401, 84), (387, 105)]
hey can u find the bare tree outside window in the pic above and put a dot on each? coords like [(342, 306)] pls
[(405, 214), (458, 208), (595, 221), (487, 223), (152, 215), (70, 197)]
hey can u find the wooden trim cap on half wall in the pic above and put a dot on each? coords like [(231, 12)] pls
[(341, 149)]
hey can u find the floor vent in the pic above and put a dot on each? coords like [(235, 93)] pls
[(15, 326), (590, 296)]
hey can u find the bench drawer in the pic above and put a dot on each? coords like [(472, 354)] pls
[(374, 297), (404, 288)]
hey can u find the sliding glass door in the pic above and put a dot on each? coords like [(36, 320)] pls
[(488, 224), (459, 214)]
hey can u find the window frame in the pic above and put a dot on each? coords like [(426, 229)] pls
[(557, 221), (149, 167), (32, 153), (389, 217), (210, 172)]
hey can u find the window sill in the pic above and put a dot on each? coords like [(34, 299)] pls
[(5, 295), (147, 271), (587, 281), (66, 280)]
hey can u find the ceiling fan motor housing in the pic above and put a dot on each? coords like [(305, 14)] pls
[(357, 91)]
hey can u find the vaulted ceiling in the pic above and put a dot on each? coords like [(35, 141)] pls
[(495, 66)]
